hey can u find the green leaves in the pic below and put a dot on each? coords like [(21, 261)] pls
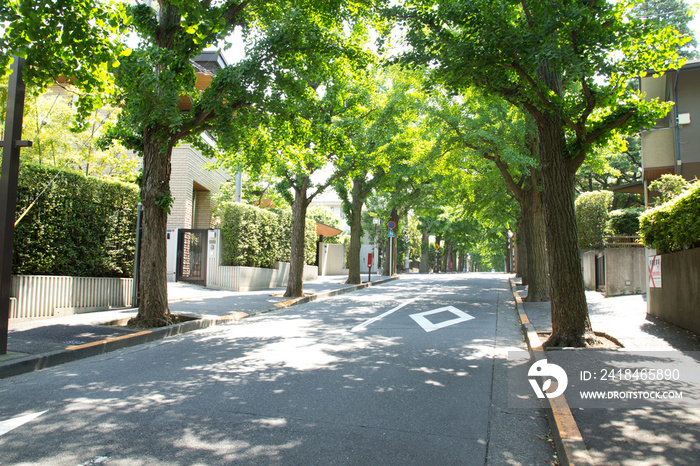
[(79, 226)]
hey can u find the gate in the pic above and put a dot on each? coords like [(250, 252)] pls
[(192, 256)]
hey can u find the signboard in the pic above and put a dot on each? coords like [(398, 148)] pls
[(654, 269), (391, 234), (369, 260)]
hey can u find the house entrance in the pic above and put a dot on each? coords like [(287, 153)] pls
[(192, 256)]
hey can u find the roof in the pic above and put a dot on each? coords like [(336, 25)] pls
[(326, 231)]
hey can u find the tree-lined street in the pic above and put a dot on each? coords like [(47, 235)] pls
[(355, 379)]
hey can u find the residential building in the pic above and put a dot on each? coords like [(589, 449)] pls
[(672, 145)]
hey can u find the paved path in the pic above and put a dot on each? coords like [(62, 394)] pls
[(385, 375), (634, 432)]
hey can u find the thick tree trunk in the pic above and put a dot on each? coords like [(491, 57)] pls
[(155, 187), (355, 240), (295, 284), (570, 323), (424, 251), (536, 255)]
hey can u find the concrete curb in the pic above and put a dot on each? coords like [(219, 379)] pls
[(35, 362), (571, 448)]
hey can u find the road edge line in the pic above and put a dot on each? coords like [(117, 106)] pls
[(571, 447)]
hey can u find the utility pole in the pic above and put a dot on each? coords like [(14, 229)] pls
[(9, 175)]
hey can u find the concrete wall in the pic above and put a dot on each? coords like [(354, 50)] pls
[(625, 271), (331, 259), (678, 300), (588, 265)]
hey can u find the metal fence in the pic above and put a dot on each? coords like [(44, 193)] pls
[(37, 296)]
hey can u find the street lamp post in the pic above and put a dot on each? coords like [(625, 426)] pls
[(9, 175)]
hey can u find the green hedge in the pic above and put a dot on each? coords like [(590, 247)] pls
[(591, 215), (255, 237), (675, 225), (624, 222), (79, 226)]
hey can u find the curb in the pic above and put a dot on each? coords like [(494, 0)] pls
[(35, 362), (571, 447)]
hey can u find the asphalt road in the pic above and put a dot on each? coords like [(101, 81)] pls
[(409, 372)]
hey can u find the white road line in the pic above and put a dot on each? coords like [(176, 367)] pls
[(369, 322), (10, 424)]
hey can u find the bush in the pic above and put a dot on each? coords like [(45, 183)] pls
[(249, 236), (675, 225), (591, 216), (79, 226), (254, 237), (624, 222)]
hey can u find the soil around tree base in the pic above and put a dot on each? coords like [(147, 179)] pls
[(596, 340)]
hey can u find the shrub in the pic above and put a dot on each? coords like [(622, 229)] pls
[(675, 225), (670, 186), (624, 222), (249, 235), (79, 226), (255, 237), (591, 216)]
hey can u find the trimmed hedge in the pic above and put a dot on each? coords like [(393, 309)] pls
[(675, 225), (79, 226), (254, 237), (624, 222), (591, 215)]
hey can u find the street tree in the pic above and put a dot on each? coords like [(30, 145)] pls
[(298, 128), (163, 102), (488, 127), (383, 132), (567, 64)]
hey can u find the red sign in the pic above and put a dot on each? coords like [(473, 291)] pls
[(369, 260)]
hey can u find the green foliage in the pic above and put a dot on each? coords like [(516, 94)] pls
[(591, 216), (254, 237), (623, 222), (670, 186), (76, 38), (79, 226), (249, 235), (675, 225)]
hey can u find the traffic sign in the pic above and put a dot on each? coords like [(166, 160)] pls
[(391, 234), (437, 246), (391, 225)]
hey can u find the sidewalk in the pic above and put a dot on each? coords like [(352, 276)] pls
[(655, 434), (36, 344)]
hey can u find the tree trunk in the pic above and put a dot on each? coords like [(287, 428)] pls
[(535, 239), (570, 323), (155, 188), (355, 237), (521, 250), (424, 251), (295, 284)]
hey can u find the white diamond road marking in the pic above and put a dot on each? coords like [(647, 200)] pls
[(429, 326), (10, 424)]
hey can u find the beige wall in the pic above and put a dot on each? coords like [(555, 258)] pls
[(678, 299), (658, 148), (192, 187)]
